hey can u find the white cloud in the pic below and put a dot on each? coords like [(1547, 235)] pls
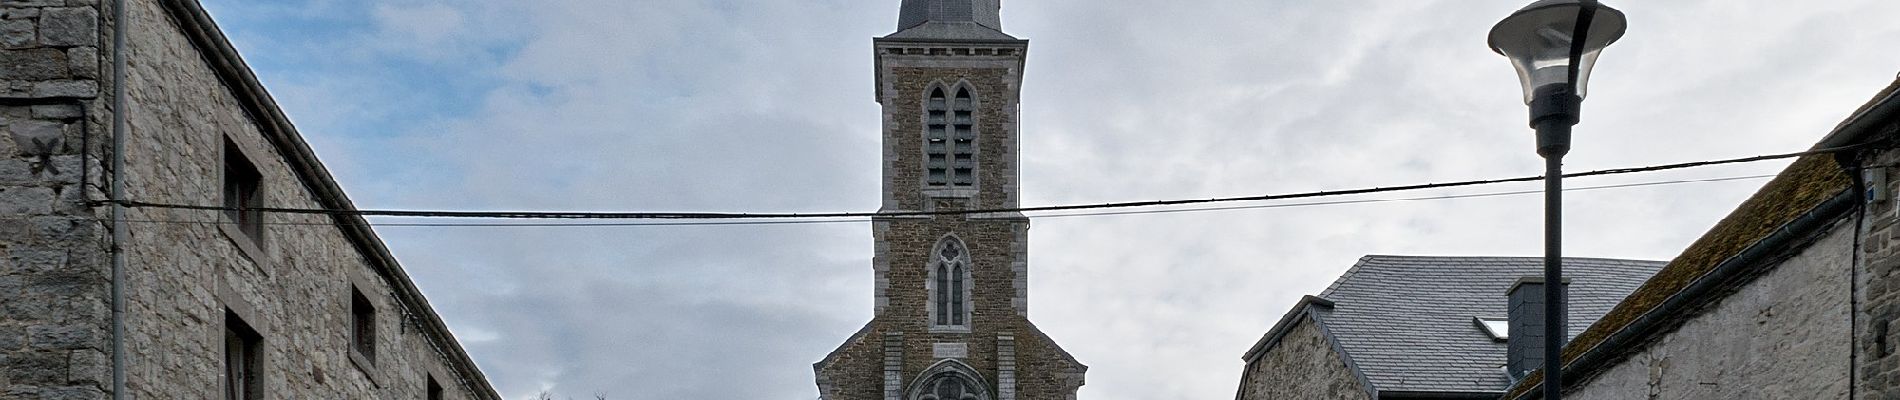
[(685, 105)]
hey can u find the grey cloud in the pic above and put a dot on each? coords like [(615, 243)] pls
[(766, 106)]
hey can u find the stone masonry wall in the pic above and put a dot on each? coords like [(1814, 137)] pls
[(994, 79), (1042, 370), (1302, 366), (1782, 336), (1878, 334), (185, 269), (54, 288), (1002, 345)]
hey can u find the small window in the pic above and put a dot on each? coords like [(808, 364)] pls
[(241, 367), (435, 389), (1498, 328), (362, 325), (242, 197)]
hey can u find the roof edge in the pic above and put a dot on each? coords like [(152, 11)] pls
[(819, 367), (1082, 368), (1365, 382), (277, 128), (1280, 328), (1865, 121), (1307, 307), (1799, 232)]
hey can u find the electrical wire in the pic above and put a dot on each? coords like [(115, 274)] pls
[(1035, 216), (735, 216)]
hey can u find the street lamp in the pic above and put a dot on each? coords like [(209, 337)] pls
[(1553, 44)]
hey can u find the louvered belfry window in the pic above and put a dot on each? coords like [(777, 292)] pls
[(950, 131)]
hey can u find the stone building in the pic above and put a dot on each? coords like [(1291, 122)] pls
[(218, 302), (1399, 327), (1791, 296), (952, 289)]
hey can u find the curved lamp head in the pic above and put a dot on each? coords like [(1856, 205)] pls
[(1537, 40)]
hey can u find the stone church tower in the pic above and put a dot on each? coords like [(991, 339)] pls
[(952, 290)]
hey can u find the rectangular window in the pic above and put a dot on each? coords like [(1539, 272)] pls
[(241, 367), (435, 389), (362, 325), (242, 197)]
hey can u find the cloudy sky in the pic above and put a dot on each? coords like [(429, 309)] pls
[(766, 106)]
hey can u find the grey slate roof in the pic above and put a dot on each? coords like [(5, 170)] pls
[(951, 20), (1406, 322)]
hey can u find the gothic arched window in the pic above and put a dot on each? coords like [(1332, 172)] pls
[(950, 135), (949, 379), (950, 279)]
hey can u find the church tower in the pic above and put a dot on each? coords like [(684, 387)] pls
[(952, 290)]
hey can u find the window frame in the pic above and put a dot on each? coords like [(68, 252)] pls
[(242, 375), (247, 231), (359, 285), (950, 281), (362, 325), (434, 389), (960, 108)]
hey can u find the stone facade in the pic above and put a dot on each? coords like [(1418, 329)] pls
[(1878, 333), (1302, 365), (1782, 336), (55, 305), (190, 105), (1790, 296), (901, 351)]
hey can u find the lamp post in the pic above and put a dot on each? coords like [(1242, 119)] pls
[(1553, 44)]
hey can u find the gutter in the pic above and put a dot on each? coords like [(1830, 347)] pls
[(1799, 232), (1877, 115)]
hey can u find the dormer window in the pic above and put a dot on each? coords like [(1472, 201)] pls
[(1499, 329), (950, 139)]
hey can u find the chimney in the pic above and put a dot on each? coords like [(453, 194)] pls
[(1526, 343)]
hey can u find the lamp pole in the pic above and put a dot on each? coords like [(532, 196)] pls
[(1553, 44)]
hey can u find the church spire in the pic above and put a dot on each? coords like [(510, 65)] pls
[(951, 19)]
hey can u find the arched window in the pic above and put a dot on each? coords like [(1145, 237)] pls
[(950, 267), (949, 379), (950, 134)]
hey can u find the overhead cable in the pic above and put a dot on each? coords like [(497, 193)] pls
[(1132, 204), (1033, 216)]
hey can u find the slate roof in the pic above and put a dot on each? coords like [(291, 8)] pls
[(950, 20), (1406, 324)]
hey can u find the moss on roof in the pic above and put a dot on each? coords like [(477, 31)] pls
[(1801, 187)]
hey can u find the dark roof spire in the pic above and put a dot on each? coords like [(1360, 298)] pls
[(951, 19)]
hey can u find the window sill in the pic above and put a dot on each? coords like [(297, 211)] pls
[(950, 329), (247, 246), (363, 364), (942, 192)]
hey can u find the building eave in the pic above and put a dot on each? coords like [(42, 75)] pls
[(1874, 118), (250, 94), (1787, 214)]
